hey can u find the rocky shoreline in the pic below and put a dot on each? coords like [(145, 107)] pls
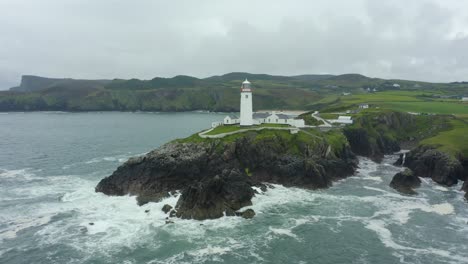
[(216, 176), (428, 162)]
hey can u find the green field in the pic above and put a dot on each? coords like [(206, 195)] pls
[(454, 141), (328, 116), (405, 101)]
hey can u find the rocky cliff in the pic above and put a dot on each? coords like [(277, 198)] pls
[(427, 161), (376, 134), (216, 177)]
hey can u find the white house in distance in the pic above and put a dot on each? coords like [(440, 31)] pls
[(363, 106), (248, 118), (342, 120), (464, 99)]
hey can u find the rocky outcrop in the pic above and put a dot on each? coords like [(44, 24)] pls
[(166, 208), (247, 214), (465, 188), (217, 196), (405, 182), (427, 161), (216, 177)]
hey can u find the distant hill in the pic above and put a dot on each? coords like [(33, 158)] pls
[(245, 75), (30, 83), (187, 93), (312, 77)]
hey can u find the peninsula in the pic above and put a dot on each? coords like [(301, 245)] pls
[(218, 171)]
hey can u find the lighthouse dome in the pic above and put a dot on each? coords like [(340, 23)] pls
[(246, 82)]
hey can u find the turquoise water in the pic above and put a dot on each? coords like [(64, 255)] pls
[(51, 162)]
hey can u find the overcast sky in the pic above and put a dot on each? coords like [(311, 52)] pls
[(421, 40)]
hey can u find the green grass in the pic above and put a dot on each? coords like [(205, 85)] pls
[(224, 129), (328, 116), (454, 141), (232, 128), (294, 143), (463, 117), (428, 107), (311, 121)]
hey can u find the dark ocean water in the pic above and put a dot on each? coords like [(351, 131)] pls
[(51, 162)]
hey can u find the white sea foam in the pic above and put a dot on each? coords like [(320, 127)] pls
[(442, 209), (372, 178), (386, 237), (117, 158), (283, 232), (20, 224), (25, 174), (280, 195), (257, 189), (203, 253), (440, 188)]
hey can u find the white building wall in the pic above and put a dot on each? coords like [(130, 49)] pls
[(230, 121), (246, 111), (298, 122), (216, 124)]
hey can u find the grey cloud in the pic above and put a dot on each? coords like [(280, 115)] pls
[(424, 40)]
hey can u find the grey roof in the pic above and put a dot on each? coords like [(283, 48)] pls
[(283, 116), (265, 115), (260, 115), (233, 117)]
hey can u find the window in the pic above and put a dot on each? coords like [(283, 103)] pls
[(246, 96)]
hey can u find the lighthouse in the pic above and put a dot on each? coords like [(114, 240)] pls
[(246, 104)]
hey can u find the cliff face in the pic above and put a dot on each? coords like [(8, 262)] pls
[(377, 134), (216, 177), (372, 146), (426, 161)]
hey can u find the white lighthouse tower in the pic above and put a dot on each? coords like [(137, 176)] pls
[(246, 104)]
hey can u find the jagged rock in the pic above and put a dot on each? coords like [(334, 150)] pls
[(405, 181), (426, 161), (166, 208), (91, 223), (214, 197), (247, 214), (169, 222), (153, 176), (172, 213), (147, 211)]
